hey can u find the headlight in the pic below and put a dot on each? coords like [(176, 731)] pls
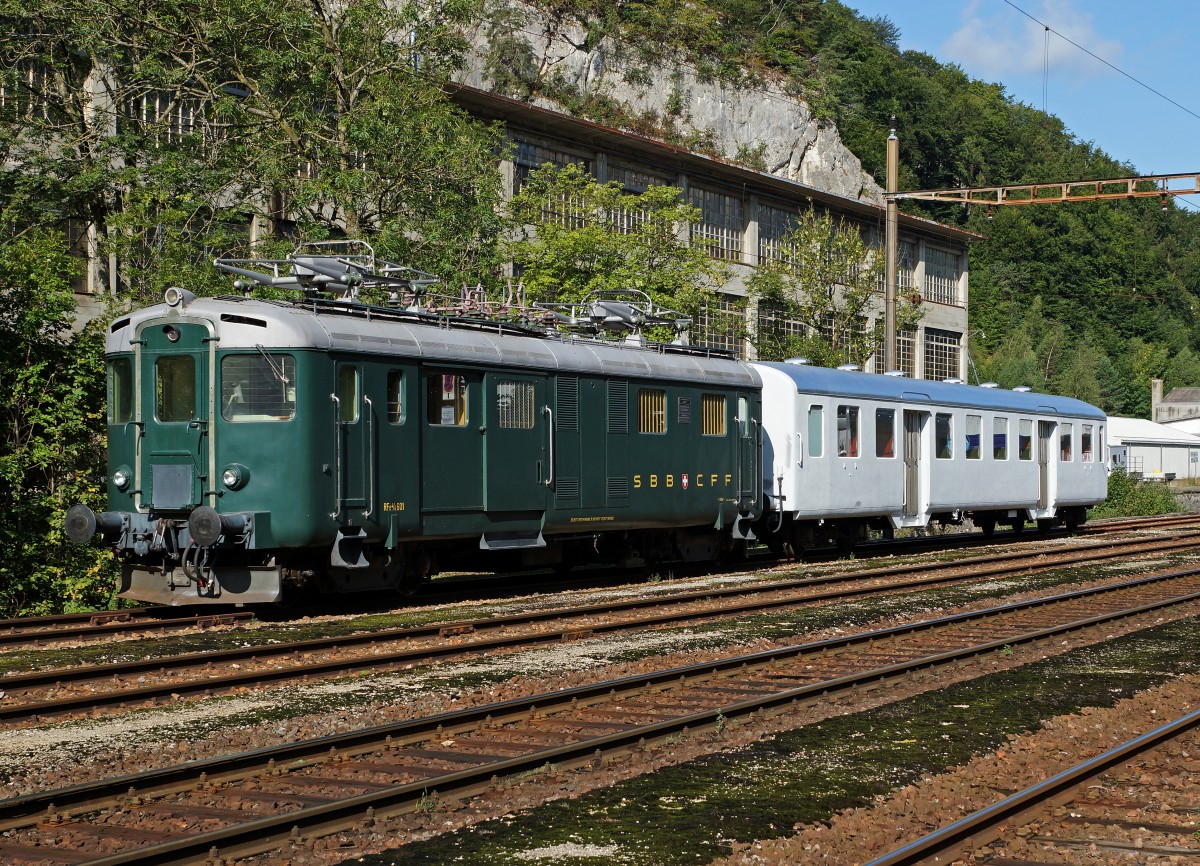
[(122, 477), (235, 476)]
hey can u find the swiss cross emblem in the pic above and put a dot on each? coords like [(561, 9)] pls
[(685, 482)]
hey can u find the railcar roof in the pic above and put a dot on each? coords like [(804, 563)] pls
[(871, 386), (285, 325)]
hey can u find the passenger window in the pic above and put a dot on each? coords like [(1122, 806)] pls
[(712, 412), (1101, 455), (652, 411), (258, 387), (942, 434), (120, 391), (885, 432), (847, 431), (816, 420), (999, 438), (446, 400), (514, 405), (1025, 440), (1085, 444), (395, 396), (175, 388), (1064, 442), (974, 437), (347, 391)]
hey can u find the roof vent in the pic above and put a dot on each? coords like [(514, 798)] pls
[(803, 362), (1022, 389), (954, 381), (899, 374), (850, 368), (988, 385)]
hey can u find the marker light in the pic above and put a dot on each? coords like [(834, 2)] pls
[(122, 477)]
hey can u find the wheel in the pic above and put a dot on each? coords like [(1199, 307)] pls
[(1045, 524), (987, 525), (1018, 526)]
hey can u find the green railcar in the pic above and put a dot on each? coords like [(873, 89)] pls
[(259, 445)]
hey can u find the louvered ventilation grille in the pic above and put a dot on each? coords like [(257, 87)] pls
[(567, 488), (618, 488), (618, 407), (568, 403)]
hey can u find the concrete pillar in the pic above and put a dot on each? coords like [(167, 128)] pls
[(1156, 396)]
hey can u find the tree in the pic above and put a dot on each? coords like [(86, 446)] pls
[(572, 235), (825, 278)]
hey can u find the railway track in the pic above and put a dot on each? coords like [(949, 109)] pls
[(221, 809), (1061, 820), (155, 621), (94, 689)]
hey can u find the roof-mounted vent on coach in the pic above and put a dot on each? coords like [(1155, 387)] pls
[(803, 362), (1022, 389), (954, 380), (850, 368), (896, 374), (988, 385)]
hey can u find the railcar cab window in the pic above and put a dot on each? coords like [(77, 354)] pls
[(999, 438), (712, 414), (258, 387), (847, 431), (347, 391), (1025, 440), (1064, 442), (943, 435), (1085, 444), (816, 439), (514, 405), (885, 432), (446, 400), (395, 397), (652, 411), (175, 388), (974, 436), (120, 391)]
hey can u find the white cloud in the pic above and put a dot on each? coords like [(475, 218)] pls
[(996, 41)]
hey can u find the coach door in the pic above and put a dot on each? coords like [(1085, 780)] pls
[(517, 442), (748, 447), (452, 434), (1045, 437), (912, 463), (354, 422)]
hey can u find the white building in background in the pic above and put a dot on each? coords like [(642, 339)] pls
[(1152, 450)]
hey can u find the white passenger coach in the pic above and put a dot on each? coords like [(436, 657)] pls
[(846, 451)]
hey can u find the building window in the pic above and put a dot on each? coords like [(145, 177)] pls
[(941, 354), (720, 227), (941, 276), (166, 117), (446, 400), (23, 91), (885, 432), (719, 324), (634, 181), (652, 411), (530, 157), (906, 266), (773, 224), (943, 435), (712, 411), (816, 439), (999, 438), (847, 431), (906, 353)]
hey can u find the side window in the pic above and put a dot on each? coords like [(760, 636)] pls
[(175, 388), (974, 434), (816, 421), (743, 418), (885, 432), (1085, 444), (1064, 442), (514, 405), (943, 432), (847, 431), (258, 387), (999, 438), (1101, 454), (395, 396), (1025, 440), (652, 411), (347, 391), (120, 391), (712, 412), (446, 400)]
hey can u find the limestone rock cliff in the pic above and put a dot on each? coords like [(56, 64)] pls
[(523, 52)]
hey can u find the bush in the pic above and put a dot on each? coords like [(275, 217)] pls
[(1130, 497)]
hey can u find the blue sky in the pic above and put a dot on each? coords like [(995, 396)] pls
[(1152, 40)]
